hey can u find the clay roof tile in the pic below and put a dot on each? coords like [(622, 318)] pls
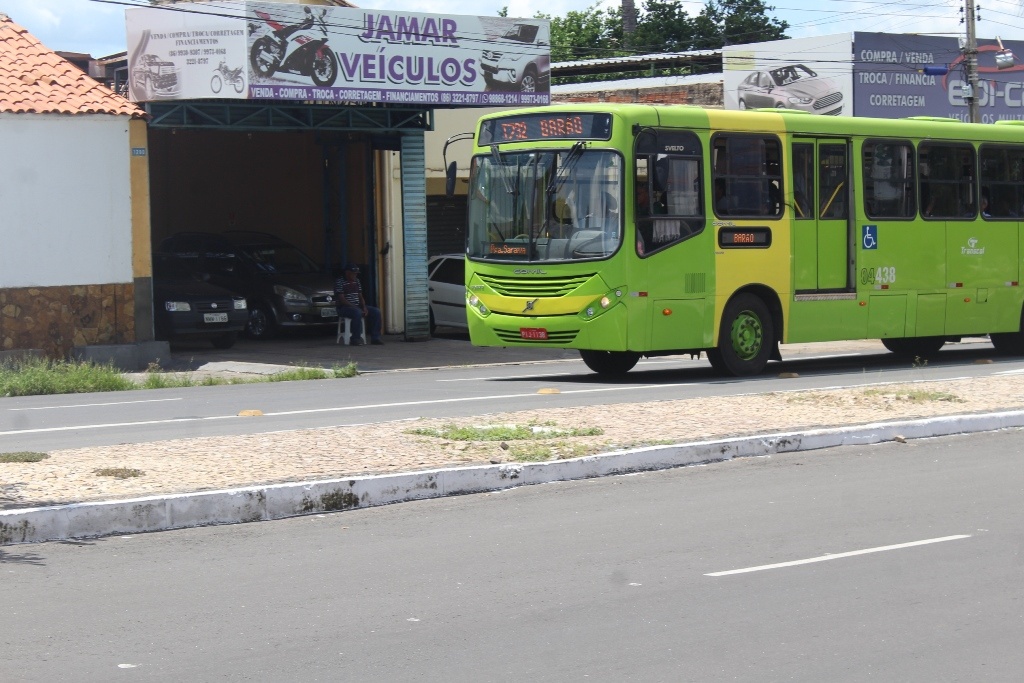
[(34, 79)]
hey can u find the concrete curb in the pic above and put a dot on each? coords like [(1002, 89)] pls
[(258, 503)]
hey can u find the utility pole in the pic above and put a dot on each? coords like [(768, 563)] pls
[(971, 63)]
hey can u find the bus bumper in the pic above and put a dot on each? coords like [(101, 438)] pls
[(604, 332)]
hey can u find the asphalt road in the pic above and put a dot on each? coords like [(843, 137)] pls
[(619, 578), (43, 423)]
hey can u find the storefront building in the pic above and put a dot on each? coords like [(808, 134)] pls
[(308, 122)]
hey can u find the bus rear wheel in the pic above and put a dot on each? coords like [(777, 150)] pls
[(913, 347), (1010, 343), (746, 339), (610, 362)]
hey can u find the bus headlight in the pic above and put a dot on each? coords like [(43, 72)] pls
[(474, 302), (601, 305)]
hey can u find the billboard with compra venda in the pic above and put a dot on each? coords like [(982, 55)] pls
[(805, 74), (901, 75), (260, 50)]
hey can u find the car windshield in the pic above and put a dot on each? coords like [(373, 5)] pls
[(790, 74), (167, 267), (523, 33), (544, 206), (274, 258)]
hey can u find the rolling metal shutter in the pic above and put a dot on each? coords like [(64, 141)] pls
[(414, 221)]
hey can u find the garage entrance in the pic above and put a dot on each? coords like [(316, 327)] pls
[(316, 175)]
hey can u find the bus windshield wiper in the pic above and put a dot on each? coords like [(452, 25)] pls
[(496, 160), (562, 174)]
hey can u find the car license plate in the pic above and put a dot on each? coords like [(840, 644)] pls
[(215, 317), (533, 333), (328, 312)]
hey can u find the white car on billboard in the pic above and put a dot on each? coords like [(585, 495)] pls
[(520, 59), (790, 87)]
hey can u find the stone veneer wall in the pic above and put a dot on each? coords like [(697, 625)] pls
[(56, 319), (701, 94)]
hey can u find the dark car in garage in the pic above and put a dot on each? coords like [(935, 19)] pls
[(185, 307), (284, 287)]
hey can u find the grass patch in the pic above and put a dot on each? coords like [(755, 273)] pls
[(23, 456), (39, 376), (297, 374), (542, 452), (915, 395), (118, 472), (345, 371), (504, 432), (42, 376)]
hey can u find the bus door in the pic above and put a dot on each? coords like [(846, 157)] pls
[(821, 210)]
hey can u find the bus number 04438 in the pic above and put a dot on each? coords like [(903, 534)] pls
[(878, 276)]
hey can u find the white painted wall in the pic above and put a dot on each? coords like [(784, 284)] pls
[(65, 200)]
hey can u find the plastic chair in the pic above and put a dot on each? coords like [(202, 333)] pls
[(345, 330)]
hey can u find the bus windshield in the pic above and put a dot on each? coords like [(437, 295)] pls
[(542, 206)]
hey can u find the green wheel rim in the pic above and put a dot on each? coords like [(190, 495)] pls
[(747, 335)]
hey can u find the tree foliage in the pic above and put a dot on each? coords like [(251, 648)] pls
[(593, 33), (734, 22), (662, 26)]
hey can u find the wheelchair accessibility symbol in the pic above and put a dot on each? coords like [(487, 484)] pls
[(869, 236)]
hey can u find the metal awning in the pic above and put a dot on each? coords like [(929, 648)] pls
[(282, 116)]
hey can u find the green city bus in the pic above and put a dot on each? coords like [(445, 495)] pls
[(628, 230)]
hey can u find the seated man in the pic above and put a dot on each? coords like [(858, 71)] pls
[(352, 305)]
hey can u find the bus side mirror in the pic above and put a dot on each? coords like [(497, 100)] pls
[(449, 180)]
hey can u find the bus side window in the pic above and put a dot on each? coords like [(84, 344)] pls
[(947, 180), (888, 167), (669, 206), (1001, 169), (750, 166)]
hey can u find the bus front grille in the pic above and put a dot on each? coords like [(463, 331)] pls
[(535, 286), (514, 335)]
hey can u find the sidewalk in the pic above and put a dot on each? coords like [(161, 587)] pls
[(443, 350), (246, 478)]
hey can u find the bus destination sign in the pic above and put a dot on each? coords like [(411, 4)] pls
[(546, 127), (738, 238)]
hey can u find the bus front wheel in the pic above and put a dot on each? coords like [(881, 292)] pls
[(746, 339), (610, 362)]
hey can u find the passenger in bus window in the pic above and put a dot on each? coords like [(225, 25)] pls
[(721, 200)]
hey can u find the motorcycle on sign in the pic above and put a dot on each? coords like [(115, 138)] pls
[(224, 73), (298, 49)]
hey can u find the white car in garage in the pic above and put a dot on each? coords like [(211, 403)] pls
[(446, 287)]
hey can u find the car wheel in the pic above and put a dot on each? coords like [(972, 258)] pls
[(743, 103), (780, 105), (225, 341), (261, 323), (433, 325), (529, 82)]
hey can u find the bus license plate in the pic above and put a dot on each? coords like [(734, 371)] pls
[(533, 333), (215, 317)]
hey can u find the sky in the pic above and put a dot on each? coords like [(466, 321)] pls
[(97, 27)]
